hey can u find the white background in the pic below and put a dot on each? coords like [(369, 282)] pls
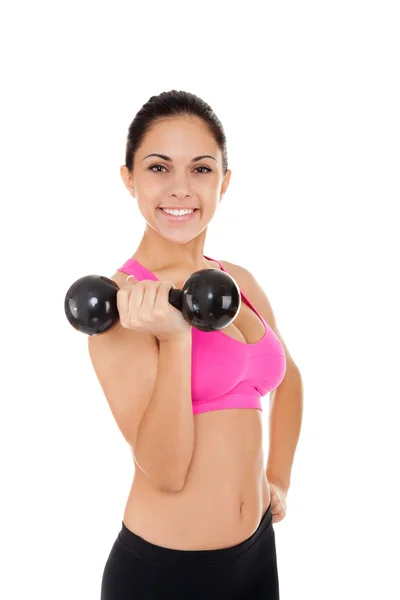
[(308, 93)]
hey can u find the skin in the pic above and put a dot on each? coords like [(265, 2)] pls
[(181, 182), (173, 251)]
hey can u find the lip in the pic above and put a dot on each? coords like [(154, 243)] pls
[(179, 207), (177, 218)]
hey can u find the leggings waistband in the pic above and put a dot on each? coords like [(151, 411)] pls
[(171, 556)]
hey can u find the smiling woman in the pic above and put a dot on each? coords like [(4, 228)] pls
[(188, 404), (191, 173)]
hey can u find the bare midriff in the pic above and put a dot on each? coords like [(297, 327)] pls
[(226, 491)]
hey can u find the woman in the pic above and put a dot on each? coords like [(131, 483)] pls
[(198, 520)]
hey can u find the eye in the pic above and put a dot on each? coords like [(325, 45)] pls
[(208, 170), (152, 167)]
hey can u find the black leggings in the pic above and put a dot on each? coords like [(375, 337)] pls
[(138, 570)]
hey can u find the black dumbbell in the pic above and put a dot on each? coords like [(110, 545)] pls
[(209, 301)]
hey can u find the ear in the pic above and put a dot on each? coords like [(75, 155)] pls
[(127, 178), (225, 183)]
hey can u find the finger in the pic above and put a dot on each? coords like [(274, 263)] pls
[(124, 296), (123, 304), (163, 295), (130, 279), (148, 299)]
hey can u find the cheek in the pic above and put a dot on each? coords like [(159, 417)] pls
[(209, 186), (150, 188)]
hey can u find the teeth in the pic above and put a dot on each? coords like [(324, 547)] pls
[(177, 213)]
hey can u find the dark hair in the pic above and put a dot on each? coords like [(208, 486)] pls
[(169, 105)]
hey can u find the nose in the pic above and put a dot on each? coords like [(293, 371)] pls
[(180, 187)]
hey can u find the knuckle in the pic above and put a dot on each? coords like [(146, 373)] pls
[(124, 323)]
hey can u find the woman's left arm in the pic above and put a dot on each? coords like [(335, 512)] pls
[(286, 405)]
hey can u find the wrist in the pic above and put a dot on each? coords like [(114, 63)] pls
[(284, 485), (179, 338)]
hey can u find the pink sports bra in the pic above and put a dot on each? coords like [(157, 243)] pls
[(227, 373)]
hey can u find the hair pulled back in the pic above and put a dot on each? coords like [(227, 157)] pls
[(169, 105)]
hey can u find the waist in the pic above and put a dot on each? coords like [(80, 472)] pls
[(207, 517), (163, 554)]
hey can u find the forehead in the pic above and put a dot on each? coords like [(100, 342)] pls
[(179, 136)]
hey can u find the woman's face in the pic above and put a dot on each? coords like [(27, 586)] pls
[(178, 178)]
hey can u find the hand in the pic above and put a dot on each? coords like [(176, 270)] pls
[(278, 501), (144, 306)]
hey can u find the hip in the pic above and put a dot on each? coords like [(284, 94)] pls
[(242, 571)]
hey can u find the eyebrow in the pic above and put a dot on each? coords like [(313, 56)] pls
[(167, 158)]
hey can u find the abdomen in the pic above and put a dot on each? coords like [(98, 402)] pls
[(225, 494)]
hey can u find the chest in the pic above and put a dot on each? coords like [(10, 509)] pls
[(247, 326)]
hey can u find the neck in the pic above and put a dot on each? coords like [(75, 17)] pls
[(168, 254)]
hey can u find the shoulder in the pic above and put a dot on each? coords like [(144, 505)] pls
[(239, 273), (252, 289)]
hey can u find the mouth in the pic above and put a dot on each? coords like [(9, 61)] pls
[(171, 217)]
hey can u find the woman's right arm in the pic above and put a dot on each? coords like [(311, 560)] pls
[(165, 439), (148, 390)]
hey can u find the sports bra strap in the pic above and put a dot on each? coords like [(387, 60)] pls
[(215, 260)]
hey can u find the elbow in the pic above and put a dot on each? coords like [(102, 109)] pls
[(166, 479), (161, 484), (174, 484), (177, 481), (171, 486)]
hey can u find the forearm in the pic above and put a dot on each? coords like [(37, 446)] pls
[(285, 420), (166, 434)]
